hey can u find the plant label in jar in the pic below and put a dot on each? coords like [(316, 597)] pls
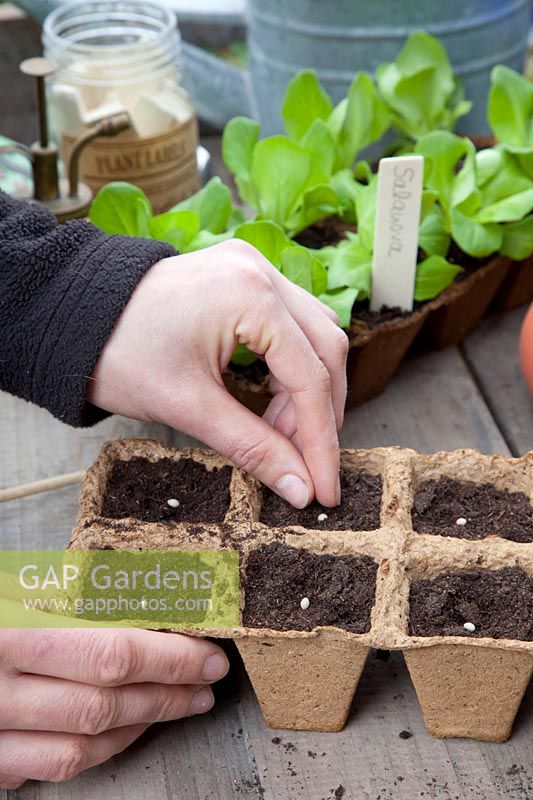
[(399, 197)]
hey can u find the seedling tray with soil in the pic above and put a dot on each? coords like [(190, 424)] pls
[(428, 554)]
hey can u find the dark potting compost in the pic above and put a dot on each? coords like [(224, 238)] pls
[(358, 511), (469, 510), (340, 589), (498, 603), (141, 489), (326, 232)]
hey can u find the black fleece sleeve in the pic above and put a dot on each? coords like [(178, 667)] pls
[(62, 288)]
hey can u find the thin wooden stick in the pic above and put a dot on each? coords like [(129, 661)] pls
[(46, 485)]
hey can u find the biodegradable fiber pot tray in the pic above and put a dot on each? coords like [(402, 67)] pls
[(319, 588), (517, 287), (462, 306), (375, 355)]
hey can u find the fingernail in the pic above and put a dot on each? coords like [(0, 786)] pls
[(215, 667), (201, 702), (293, 489), (338, 494)]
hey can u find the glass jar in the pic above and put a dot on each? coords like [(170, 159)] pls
[(123, 56)]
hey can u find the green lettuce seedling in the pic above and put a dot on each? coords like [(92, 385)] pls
[(420, 88), (350, 262), (510, 114), (204, 219), (360, 119), (286, 182), (479, 194), (289, 179)]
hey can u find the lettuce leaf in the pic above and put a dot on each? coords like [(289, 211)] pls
[(305, 102), (421, 89), (433, 275)]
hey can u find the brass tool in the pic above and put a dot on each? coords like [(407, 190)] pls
[(66, 198)]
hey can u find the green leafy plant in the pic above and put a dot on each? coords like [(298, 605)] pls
[(479, 194), (283, 180), (510, 114), (420, 89), (518, 239), (350, 262), (360, 119), (288, 179), (205, 218)]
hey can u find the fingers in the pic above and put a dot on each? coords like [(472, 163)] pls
[(48, 756), (52, 704), (294, 363), (276, 277), (114, 657), (216, 419), (10, 781), (249, 442), (329, 342), (285, 420)]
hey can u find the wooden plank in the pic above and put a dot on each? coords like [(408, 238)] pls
[(491, 353), (431, 405)]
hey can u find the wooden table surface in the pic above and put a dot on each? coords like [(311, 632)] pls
[(467, 397)]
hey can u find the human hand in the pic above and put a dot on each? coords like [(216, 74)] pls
[(71, 699), (165, 357)]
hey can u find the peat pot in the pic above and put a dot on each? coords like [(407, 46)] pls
[(363, 575)]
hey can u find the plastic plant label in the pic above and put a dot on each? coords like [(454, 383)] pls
[(399, 198)]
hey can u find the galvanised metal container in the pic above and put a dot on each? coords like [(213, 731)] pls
[(338, 37)]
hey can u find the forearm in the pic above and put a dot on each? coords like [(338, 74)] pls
[(62, 288)]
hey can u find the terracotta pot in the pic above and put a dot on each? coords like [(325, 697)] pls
[(526, 349)]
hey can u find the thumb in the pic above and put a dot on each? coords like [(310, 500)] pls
[(222, 423)]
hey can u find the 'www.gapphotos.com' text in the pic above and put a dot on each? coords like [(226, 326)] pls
[(112, 605)]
